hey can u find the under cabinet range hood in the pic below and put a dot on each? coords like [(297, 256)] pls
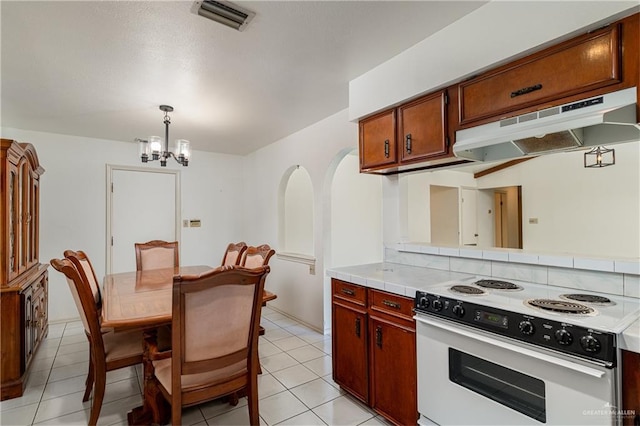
[(601, 120)]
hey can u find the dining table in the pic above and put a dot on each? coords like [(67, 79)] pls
[(143, 300)]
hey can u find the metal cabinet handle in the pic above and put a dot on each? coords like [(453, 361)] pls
[(386, 148), (391, 304), (379, 336), (526, 90), (348, 292), (408, 143), (358, 326)]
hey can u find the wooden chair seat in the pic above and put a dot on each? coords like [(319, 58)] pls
[(123, 347), (191, 382)]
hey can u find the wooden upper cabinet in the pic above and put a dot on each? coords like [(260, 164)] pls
[(378, 141), (422, 131), (585, 63)]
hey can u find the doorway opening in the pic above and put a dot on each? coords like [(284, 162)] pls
[(507, 207)]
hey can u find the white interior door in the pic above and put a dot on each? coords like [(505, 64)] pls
[(469, 217), (143, 208)]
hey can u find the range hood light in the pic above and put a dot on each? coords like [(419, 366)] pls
[(599, 157)]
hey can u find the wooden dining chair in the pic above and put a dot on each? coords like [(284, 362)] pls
[(108, 350), (82, 262), (157, 254), (254, 257), (233, 254), (215, 339)]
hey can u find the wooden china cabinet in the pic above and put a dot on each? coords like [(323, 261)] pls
[(23, 279)]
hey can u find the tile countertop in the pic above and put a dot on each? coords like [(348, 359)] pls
[(630, 339), (404, 280), (394, 277)]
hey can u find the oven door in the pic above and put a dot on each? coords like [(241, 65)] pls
[(470, 377)]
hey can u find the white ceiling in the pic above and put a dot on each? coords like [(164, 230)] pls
[(100, 69)]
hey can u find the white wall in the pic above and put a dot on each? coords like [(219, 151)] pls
[(491, 34), (356, 215), (580, 211), (73, 203), (300, 293), (298, 213)]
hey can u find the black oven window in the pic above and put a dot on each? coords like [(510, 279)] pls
[(513, 389)]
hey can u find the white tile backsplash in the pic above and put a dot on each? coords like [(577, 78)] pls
[(495, 255), (531, 259), (561, 261), (627, 267), (604, 282), (593, 264), (631, 285), (449, 251), (472, 253), (559, 270), (471, 266), (520, 272)]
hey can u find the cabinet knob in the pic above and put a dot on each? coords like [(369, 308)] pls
[(408, 143), (386, 148)]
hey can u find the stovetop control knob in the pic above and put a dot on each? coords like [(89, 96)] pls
[(458, 311), (590, 344), (424, 302), (437, 305), (564, 337), (526, 327)]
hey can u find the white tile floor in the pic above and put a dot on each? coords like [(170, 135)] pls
[(294, 389)]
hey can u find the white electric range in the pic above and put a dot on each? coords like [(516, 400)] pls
[(519, 353)]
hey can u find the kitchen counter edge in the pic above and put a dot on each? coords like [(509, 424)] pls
[(405, 280)]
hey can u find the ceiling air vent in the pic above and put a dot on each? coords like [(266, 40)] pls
[(224, 12)]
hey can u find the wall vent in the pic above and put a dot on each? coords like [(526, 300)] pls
[(224, 12)]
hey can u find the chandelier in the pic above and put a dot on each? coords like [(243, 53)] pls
[(153, 149)]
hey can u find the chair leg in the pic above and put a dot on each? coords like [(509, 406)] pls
[(252, 397), (89, 382), (98, 396)]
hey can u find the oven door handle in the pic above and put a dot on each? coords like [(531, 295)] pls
[(517, 349)]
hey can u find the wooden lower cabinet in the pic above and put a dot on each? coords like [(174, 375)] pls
[(350, 350), (374, 350), (24, 326), (631, 388)]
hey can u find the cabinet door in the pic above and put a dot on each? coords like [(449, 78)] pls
[(422, 128), (578, 65), (393, 371), (28, 336), (631, 388), (23, 215), (378, 141), (350, 350)]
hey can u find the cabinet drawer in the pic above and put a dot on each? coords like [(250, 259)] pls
[(585, 63), (349, 292), (391, 303), (378, 141)]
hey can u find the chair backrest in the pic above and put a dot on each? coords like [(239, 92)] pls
[(254, 257), (216, 321), (82, 263), (156, 254), (85, 302), (233, 254)]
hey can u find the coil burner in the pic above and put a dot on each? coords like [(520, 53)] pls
[(467, 289), (560, 306), (497, 285), (588, 298)]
